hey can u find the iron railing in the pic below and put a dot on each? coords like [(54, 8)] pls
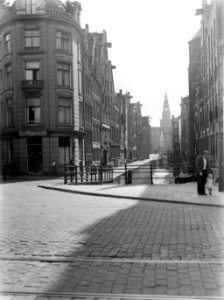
[(130, 173), (88, 174)]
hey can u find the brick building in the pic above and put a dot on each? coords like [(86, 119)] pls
[(41, 85), (194, 77), (185, 145), (57, 94), (208, 106)]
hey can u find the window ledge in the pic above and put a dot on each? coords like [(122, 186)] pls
[(63, 52), (31, 51), (64, 125)]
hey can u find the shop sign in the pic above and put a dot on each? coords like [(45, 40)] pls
[(31, 132)]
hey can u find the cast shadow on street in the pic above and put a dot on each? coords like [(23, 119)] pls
[(143, 231)]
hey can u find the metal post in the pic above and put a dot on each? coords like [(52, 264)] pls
[(65, 175), (101, 174), (151, 175), (71, 174), (126, 173), (76, 175), (87, 169)]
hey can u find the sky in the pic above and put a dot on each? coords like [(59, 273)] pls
[(149, 47)]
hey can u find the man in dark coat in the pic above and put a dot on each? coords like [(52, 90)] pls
[(202, 166), (71, 169)]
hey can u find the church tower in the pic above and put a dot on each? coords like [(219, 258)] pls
[(166, 115), (166, 128)]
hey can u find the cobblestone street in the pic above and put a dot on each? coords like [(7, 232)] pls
[(56, 242)]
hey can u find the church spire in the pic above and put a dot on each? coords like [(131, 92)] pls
[(166, 109)]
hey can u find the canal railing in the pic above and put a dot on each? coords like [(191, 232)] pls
[(88, 174), (150, 172)]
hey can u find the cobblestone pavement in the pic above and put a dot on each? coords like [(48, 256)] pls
[(55, 244)]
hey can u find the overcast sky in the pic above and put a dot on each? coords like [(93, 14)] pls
[(149, 47)]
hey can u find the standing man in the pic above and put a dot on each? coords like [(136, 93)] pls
[(202, 168), (71, 169)]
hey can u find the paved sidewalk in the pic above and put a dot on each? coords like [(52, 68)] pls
[(176, 193)]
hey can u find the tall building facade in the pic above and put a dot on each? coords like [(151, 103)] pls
[(124, 103), (176, 124), (41, 88), (135, 131), (101, 100), (185, 145), (208, 107), (194, 81)]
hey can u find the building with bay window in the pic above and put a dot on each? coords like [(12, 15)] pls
[(41, 85)]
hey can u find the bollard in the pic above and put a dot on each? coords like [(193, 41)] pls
[(65, 175), (126, 173), (151, 174), (87, 173), (100, 174), (76, 175)]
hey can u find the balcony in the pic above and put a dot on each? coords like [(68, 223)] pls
[(32, 86)]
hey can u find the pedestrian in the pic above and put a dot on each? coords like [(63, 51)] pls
[(54, 171), (202, 166), (210, 183), (93, 171), (81, 169), (71, 169)]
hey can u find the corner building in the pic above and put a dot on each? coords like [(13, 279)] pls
[(41, 90)]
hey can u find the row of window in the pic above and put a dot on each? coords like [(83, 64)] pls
[(115, 134), (209, 142), (206, 116), (33, 111), (32, 41), (32, 72)]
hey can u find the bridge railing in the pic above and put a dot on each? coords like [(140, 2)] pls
[(89, 174), (151, 173)]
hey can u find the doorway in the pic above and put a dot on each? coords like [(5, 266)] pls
[(105, 153), (34, 153)]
